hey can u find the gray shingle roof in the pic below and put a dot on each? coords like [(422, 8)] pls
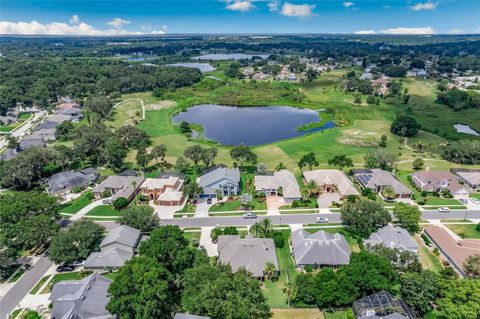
[(81, 299), (24, 144), (231, 174), (123, 185), (320, 248), (374, 178), (249, 253), (393, 237), (110, 257), (65, 181), (124, 235)]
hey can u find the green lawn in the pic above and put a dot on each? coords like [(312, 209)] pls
[(427, 258), (22, 117), (336, 315), (104, 210), (232, 205), (39, 284), (187, 208), (465, 230), (297, 313), (15, 313), (75, 205), (192, 235), (110, 275), (475, 195), (273, 290), (65, 276)]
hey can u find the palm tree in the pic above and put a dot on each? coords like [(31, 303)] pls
[(270, 271), (388, 192), (290, 290), (311, 189), (256, 230), (280, 166), (266, 225)]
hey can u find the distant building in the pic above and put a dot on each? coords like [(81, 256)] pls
[(393, 237), (222, 179), (116, 248), (377, 179), (86, 298), (119, 186), (436, 181), (381, 305), (319, 249), (163, 191), (62, 183), (281, 183), (250, 253)]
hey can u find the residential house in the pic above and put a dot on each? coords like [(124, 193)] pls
[(116, 248), (319, 249), (179, 315), (437, 181), (281, 183), (119, 186), (381, 305), (86, 298), (393, 237), (469, 177), (30, 141), (377, 179), (380, 86), (453, 250), (250, 253), (62, 183), (163, 191), (221, 179), (333, 185)]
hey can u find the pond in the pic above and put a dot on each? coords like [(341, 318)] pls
[(230, 125), (228, 56), (203, 67), (462, 128)]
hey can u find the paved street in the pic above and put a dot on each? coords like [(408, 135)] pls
[(19, 132), (23, 286)]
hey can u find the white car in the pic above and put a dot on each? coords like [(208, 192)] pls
[(321, 220), (444, 209), (475, 201), (249, 215)]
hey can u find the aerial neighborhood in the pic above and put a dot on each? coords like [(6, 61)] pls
[(239, 176)]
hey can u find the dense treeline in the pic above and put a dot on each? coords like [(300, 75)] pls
[(40, 81), (463, 152)]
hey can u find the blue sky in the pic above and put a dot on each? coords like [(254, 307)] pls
[(238, 16)]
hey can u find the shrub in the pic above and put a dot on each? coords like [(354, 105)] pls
[(352, 198), (89, 195), (77, 189), (106, 193), (120, 203), (308, 268), (230, 230), (278, 239), (195, 242), (425, 239), (217, 231), (477, 228), (366, 191)]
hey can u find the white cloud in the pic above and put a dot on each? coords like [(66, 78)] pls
[(60, 28), (274, 5), (242, 6), (366, 32), (117, 23), (424, 6), (406, 30), (297, 10), (75, 19), (348, 4), (455, 31)]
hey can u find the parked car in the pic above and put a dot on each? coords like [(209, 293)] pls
[(249, 215), (463, 201), (78, 263), (444, 209), (65, 268), (321, 220), (209, 201), (475, 201), (107, 201)]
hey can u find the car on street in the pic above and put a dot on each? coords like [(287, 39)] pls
[(249, 215), (321, 220), (65, 268), (475, 201), (444, 209)]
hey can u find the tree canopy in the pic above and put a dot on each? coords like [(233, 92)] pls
[(364, 217), (142, 217)]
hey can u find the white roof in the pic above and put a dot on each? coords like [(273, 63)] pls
[(284, 179)]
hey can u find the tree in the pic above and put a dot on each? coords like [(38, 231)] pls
[(114, 154), (143, 158), (311, 74), (142, 217), (395, 71), (31, 314), (209, 155), (185, 127), (311, 188), (192, 189), (280, 166), (142, 289), (243, 154), (419, 291), (308, 160), (405, 126), (408, 216), (418, 164), (404, 261), (340, 161), (195, 153), (380, 158), (181, 164), (472, 266), (383, 141), (159, 150), (462, 152), (458, 299), (261, 169), (64, 131), (228, 295), (270, 271), (132, 137), (100, 105), (388, 192), (364, 217), (246, 201), (120, 203), (76, 242)]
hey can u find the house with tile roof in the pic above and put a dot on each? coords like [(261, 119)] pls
[(163, 191), (281, 183), (469, 177), (437, 181)]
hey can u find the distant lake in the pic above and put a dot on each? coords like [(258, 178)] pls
[(228, 56), (230, 125), (462, 128), (140, 59), (203, 67)]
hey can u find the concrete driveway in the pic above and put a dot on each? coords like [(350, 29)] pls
[(325, 200), (203, 207), (274, 203), (82, 212), (164, 212)]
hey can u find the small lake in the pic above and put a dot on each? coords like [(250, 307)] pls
[(228, 56), (462, 128), (203, 67), (230, 125)]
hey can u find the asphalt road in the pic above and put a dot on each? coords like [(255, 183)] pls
[(298, 219), (23, 286)]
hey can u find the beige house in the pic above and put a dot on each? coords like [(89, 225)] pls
[(282, 182), (331, 181), (163, 191)]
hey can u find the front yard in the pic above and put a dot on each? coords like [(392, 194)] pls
[(75, 205), (104, 210), (234, 205), (465, 230)]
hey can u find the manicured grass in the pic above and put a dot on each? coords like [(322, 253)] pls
[(15, 313), (297, 313), (78, 203), (18, 274), (192, 235), (110, 275), (65, 276), (336, 315), (465, 230), (39, 284), (104, 210), (232, 205), (127, 113), (427, 258), (187, 208), (475, 195)]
